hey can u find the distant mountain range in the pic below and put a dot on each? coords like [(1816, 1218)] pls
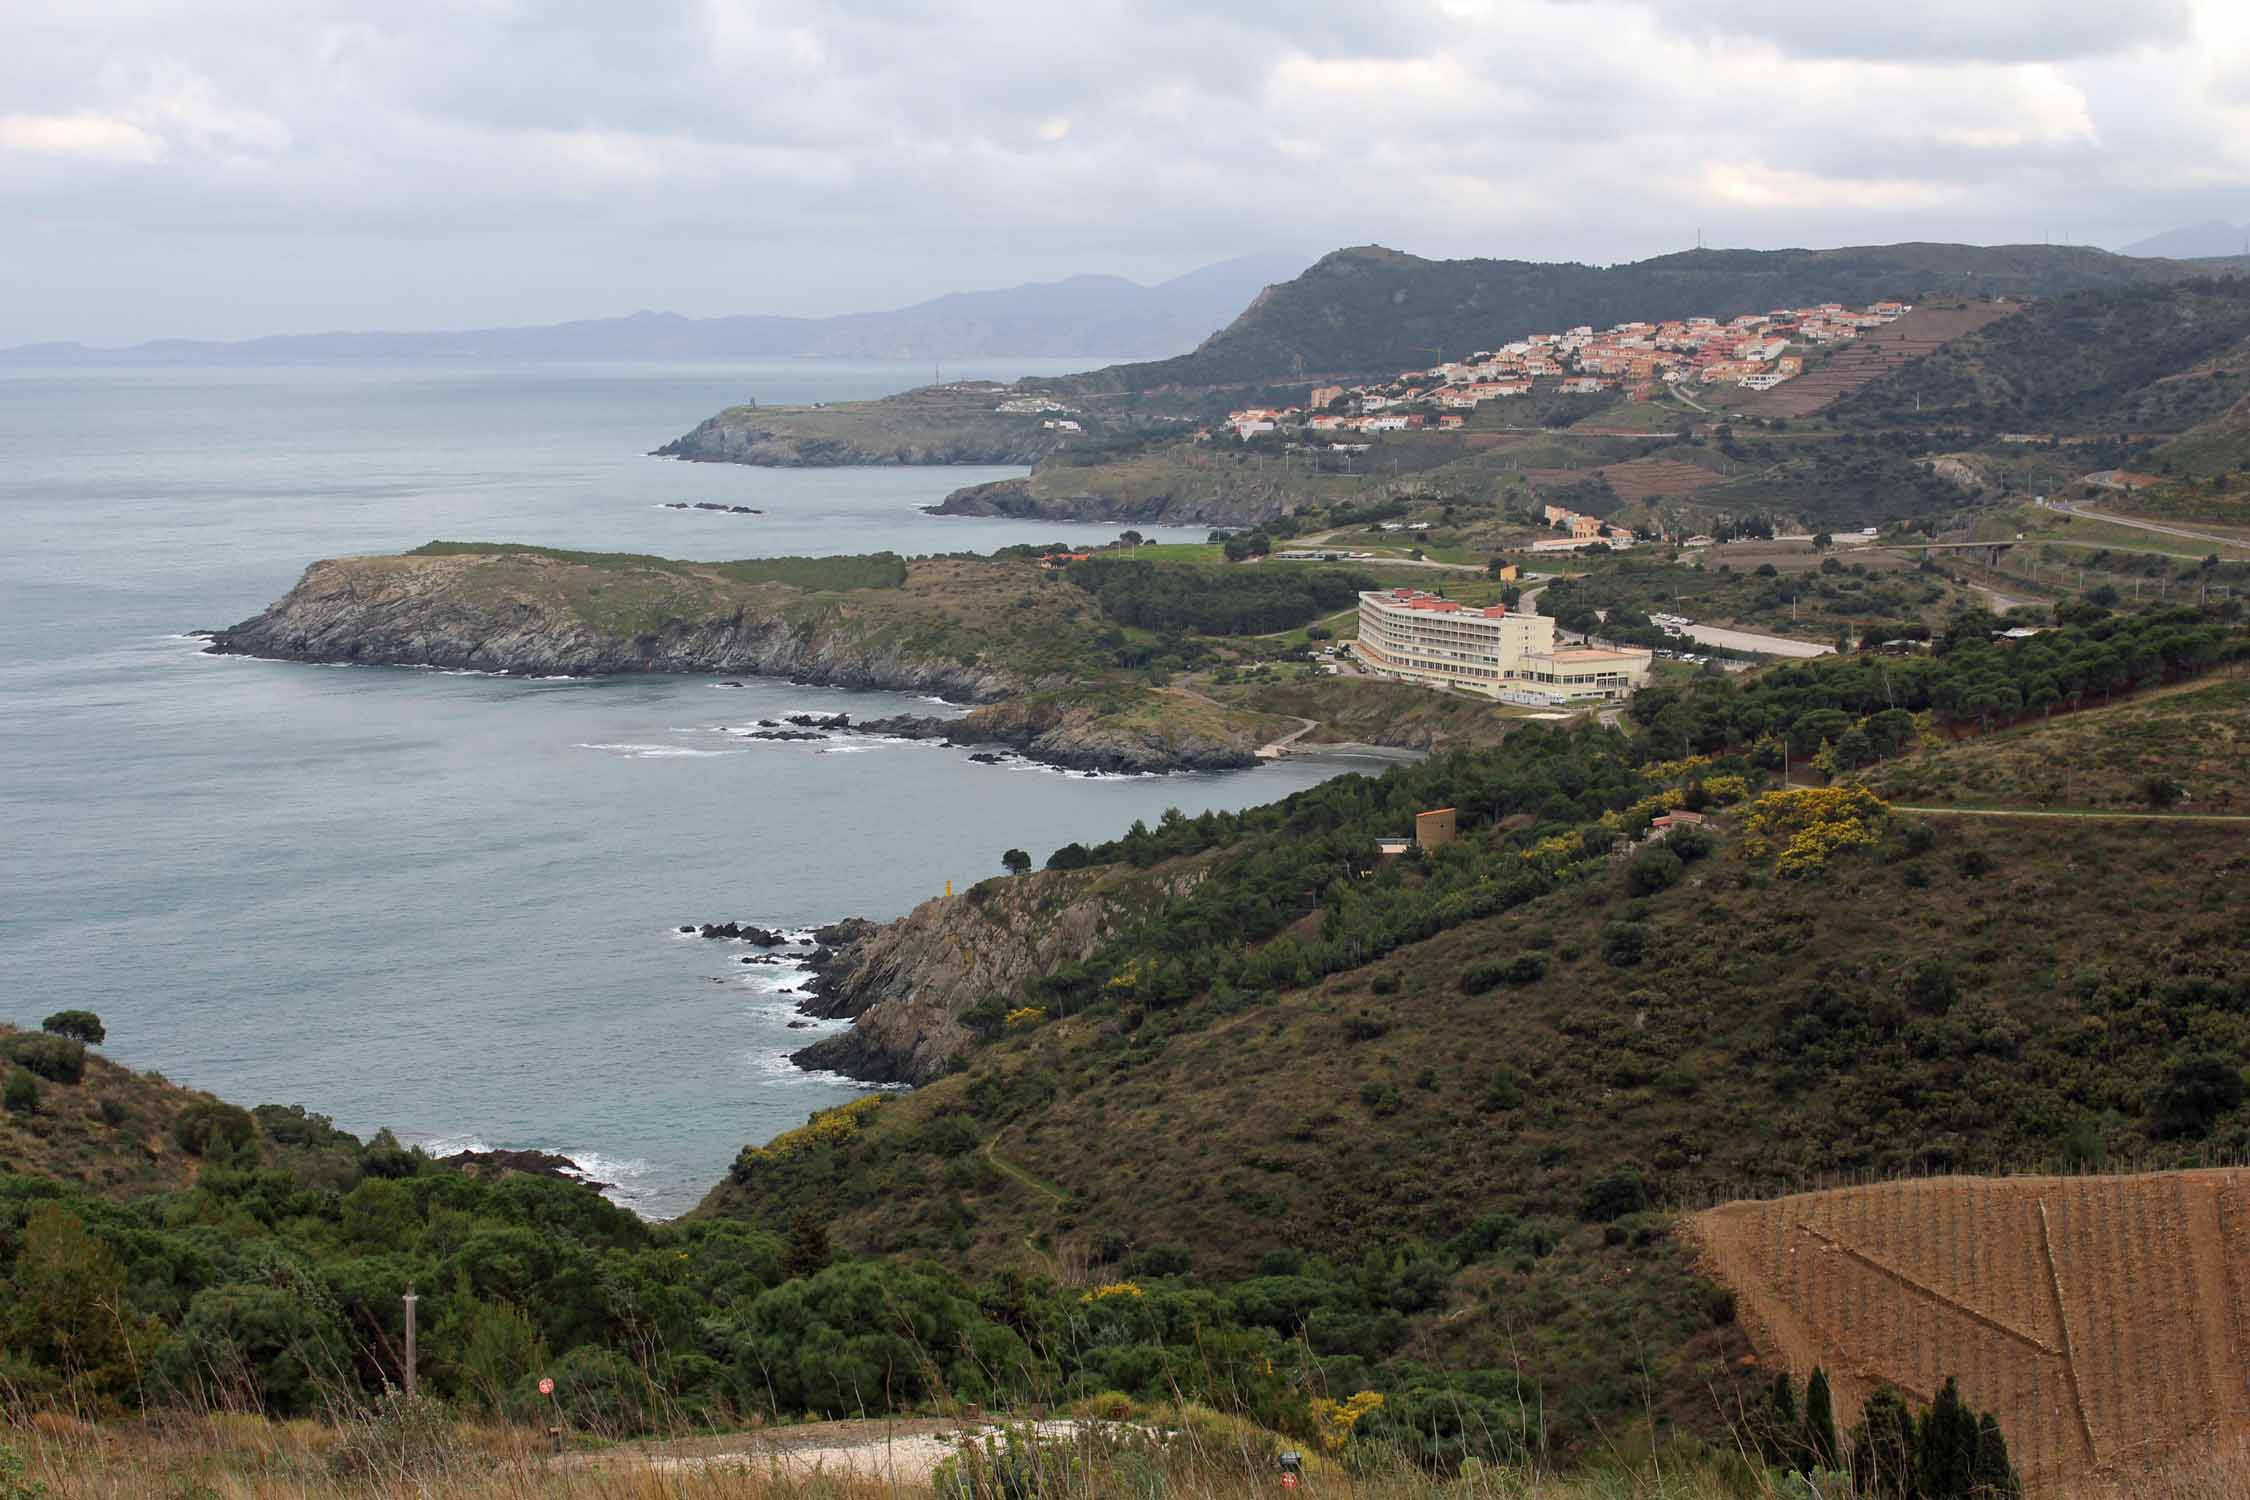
[(2195, 241), (1371, 311), (1082, 315)]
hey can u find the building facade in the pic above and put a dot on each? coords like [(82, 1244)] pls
[(1512, 657)]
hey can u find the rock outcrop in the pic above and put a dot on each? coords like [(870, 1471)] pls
[(908, 983), (1083, 737)]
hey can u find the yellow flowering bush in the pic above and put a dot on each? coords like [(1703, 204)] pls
[(1803, 828), (1126, 978), (1023, 1018), (1334, 1420), (1725, 791), (827, 1127), (1111, 1289), (1675, 770), (1561, 843)]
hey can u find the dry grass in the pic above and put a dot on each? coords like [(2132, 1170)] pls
[(220, 1456)]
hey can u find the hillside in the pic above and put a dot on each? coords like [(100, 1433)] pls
[(2099, 1317), (1503, 1056), (2187, 747), (109, 1129), (1370, 311), (2159, 358)]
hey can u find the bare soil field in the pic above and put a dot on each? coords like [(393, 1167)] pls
[(1881, 351), (1657, 478), (2100, 1318)]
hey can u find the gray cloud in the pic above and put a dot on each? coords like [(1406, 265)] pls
[(271, 165)]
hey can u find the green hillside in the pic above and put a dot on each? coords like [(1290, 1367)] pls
[(1369, 310), (1491, 1067), (2157, 358)]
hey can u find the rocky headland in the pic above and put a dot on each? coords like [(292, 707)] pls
[(957, 423), (532, 614), (909, 985), (978, 633)]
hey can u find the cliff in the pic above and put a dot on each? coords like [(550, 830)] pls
[(942, 424), (910, 983)]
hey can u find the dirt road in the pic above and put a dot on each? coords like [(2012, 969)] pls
[(1751, 640), (2140, 525)]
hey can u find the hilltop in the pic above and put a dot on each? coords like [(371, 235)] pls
[(1373, 311)]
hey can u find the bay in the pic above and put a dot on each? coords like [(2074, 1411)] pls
[(447, 903)]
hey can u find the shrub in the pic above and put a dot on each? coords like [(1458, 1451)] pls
[(21, 1097), (1504, 1092), (1524, 968), (209, 1127), (1380, 1098), (2196, 1092), (1624, 943), (1651, 870), (78, 1025), (58, 1059), (1612, 1197), (1383, 984), (1690, 844)]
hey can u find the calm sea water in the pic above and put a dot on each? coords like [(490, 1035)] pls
[(446, 903)]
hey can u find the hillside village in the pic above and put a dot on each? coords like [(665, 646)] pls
[(1752, 351)]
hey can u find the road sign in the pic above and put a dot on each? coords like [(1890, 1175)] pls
[(546, 1386)]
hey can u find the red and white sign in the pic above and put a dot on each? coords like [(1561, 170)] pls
[(546, 1386)]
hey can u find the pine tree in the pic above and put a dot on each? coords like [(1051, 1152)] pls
[(1779, 1432), (1822, 1451), (1994, 1477), (1883, 1449), (807, 1251), (1946, 1447)]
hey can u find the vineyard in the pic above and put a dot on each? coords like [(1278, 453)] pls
[(2101, 1318), (1870, 358)]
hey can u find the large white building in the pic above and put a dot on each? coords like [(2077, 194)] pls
[(1420, 637)]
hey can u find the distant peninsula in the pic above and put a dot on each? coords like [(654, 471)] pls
[(1003, 635)]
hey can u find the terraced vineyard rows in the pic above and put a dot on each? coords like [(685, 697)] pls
[(2099, 1317), (1872, 357)]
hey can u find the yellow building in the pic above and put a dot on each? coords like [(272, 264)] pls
[(1512, 657)]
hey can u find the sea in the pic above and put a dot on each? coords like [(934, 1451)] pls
[(447, 904)]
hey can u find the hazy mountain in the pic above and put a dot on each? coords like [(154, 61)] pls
[(1080, 315), (2195, 241)]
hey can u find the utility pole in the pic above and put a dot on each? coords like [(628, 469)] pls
[(411, 1299)]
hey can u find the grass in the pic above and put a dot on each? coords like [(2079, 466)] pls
[(2196, 735), (1367, 710), (2040, 523), (1177, 1452), (874, 570)]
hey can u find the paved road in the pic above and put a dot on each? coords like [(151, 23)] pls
[(1751, 640), (2138, 525)]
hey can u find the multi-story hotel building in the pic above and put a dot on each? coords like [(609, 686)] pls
[(1410, 634)]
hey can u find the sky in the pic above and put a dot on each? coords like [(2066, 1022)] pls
[(231, 168)]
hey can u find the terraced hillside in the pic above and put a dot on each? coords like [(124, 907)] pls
[(1919, 333), (2100, 1318)]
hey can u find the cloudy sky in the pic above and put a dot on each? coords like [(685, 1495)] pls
[(232, 167)]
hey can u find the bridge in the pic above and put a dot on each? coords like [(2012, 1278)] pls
[(1992, 550)]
